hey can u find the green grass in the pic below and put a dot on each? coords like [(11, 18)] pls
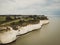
[(2, 18), (12, 20), (8, 23)]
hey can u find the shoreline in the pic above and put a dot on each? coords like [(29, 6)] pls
[(10, 36)]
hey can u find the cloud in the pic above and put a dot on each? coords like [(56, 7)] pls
[(29, 7)]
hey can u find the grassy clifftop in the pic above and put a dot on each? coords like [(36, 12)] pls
[(7, 20), (20, 20)]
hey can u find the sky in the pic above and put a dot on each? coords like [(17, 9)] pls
[(38, 7)]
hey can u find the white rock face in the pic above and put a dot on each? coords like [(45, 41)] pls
[(8, 36), (28, 28), (11, 35)]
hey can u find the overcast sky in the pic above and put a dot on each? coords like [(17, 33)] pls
[(46, 7)]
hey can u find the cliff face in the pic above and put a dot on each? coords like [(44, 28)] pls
[(9, 30)]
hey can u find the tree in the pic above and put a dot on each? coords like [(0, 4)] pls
[(8, 18)]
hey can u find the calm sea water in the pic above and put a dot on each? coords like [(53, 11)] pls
[(48, 35)]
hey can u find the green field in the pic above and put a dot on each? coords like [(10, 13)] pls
[(22, 20)]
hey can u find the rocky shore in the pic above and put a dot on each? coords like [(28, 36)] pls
[(10, 30)]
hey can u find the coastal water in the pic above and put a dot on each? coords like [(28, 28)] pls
[(48, 35)]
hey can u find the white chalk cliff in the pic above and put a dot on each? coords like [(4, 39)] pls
[(11, 35)]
